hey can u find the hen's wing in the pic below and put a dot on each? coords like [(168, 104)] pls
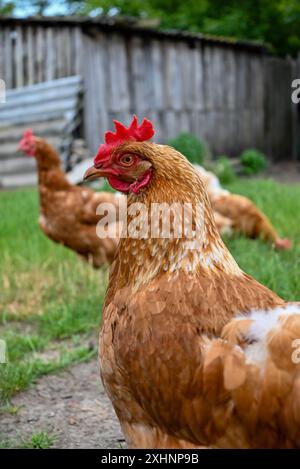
[(91, 201), (268, 346), (227, 394), (224, 224), (247, 218), (178, 373)]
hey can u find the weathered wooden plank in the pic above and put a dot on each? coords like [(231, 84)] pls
[(141, 85), (14, 165), (268, 104), (8, 58), (183, 86), (218, 71), (257, 128), (173, 88), (39, 53), (172, 125), (245, 129), (19, 57), (30, 56), (18, 180), (157, 60), (118, 76), (257, 101), (243, 112), (67, 51), (39, 87), (194, 82), (185, 121), (169, 127), (229, 79), (186, 70), (60, 54), (203, 125), (148, 77), (156, 117), (2, 56), (138, 75), (198, 74), (208, 82), (98, 63), (256, 91), (40, 108), (14, 132), (90, 101), (284, 148), (242, 81), (77, 52), (44, 96), (211, 84), (231, 147), (50, 55)]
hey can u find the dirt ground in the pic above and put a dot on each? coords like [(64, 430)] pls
[(71, 406), (286, 172)]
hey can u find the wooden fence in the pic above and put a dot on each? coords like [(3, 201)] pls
[(233, 95), (53, 110)]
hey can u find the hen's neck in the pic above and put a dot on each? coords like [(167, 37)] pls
[(143, 259), (50, 173)]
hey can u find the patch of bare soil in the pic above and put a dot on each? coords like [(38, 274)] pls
[(287, 172), (71, 405)]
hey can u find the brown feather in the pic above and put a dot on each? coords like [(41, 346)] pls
[(173, 358), (68, 213)]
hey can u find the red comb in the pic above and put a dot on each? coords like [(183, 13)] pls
[(284, 244), (25, 141), (28, 133), (135, 132)]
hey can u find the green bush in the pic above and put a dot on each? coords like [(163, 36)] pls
[(190, 146), (224, 170), (252, 162)]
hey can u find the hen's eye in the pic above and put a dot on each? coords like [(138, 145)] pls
[(127, 160)]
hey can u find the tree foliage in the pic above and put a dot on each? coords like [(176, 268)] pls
[(276, 23), (6, 8)]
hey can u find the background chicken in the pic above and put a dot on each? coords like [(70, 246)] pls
[(194, 352), (239, 214), (68, 213)]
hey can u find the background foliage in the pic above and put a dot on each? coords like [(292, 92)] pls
[(276, 23)]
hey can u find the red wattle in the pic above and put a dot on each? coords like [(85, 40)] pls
[(135, 187)]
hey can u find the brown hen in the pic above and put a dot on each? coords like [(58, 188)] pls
[(68, 213), (193, 351), (236, 213)]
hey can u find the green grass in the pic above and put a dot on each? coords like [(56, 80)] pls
[(16, 376), (47, 296), (39, 440), (50, 301), (279, 270)]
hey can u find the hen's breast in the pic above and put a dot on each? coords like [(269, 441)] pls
[(153, 343)]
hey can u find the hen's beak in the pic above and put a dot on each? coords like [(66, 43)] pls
[(93, 173)]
